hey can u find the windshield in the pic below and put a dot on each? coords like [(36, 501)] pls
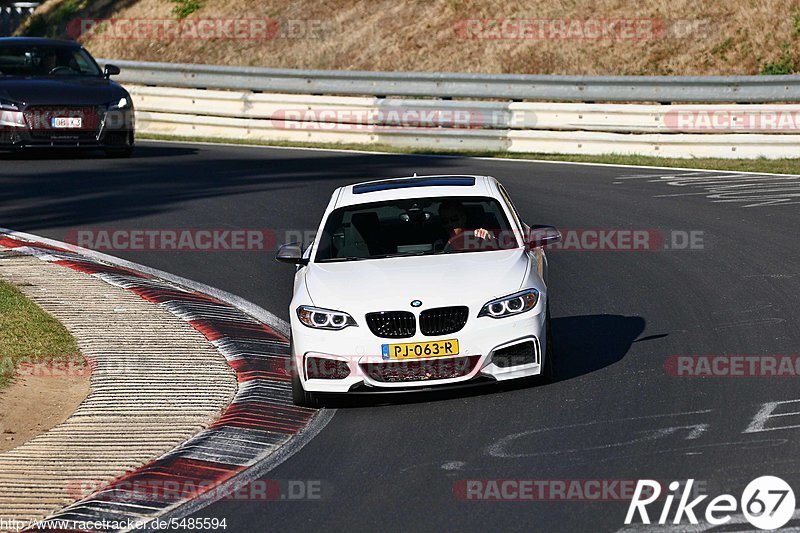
[(418, 226), (43, 60)]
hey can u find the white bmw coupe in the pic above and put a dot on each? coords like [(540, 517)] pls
[(420, 282)]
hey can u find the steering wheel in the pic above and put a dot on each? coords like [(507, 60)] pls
[(61, 70), (467, 240)]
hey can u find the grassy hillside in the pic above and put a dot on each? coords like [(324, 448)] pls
[(645, 37)]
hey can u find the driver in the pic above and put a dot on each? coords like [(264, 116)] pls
[(454, 220), (49, 61)]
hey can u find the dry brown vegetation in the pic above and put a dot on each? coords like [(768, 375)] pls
[(692, 37)]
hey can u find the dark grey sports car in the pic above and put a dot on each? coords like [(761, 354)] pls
[(53, 94)]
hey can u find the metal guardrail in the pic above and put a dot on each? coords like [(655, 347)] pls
[(352, 112), (521, 127), (12, 16), (666, 89), (470, 112)]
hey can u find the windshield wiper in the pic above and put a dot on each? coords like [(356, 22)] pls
[(338, 259), (398, 254), (381, 256)]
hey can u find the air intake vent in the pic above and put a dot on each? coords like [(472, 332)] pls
[(523, 353)]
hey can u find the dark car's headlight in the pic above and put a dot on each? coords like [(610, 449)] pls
[(10, 115), (122, 103), (8, 105), (317, 318), (510, 305)]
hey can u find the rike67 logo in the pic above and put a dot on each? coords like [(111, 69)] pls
[(767, 503)]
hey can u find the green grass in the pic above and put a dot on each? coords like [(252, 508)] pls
[(777, 166), (796, 21), (785, 64), (28, 334), (184, 8)]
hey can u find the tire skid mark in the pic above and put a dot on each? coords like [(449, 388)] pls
[(752, 190)]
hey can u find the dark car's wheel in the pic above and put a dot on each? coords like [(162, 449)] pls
[(124, 150), (300, 396), (550, 371)]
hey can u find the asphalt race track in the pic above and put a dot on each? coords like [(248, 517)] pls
[(617, 413)]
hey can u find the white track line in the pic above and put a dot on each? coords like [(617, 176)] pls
[(455, 156)]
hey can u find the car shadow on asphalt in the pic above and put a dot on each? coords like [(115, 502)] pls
[(71, 189), (69, 154), (583, 344), (587, 343)]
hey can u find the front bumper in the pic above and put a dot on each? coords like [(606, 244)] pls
[(114, 129), (479, 342)]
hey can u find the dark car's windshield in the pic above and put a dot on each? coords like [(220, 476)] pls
[(418, 226), (44, 60)]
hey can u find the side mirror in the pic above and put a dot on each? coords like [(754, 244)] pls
[(110, 70), (291, 253), (543, 235)]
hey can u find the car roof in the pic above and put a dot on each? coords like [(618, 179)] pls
[(416, 187), (33, 41)]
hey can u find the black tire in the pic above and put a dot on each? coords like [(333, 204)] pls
[(121, 152), (299, 395), (550, 371)]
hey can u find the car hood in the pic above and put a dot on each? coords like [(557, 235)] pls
[(437, 280), (60, 91)]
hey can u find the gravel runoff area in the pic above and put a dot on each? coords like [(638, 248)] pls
[(156, 381)]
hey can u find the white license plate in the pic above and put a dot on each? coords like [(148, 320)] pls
[(66, 122)]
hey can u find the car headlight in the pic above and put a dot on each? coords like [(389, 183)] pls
[(123, 103), (317, 318), (510, 305), (8, 105), (10, 115)]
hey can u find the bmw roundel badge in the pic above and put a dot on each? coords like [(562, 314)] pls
[(416, 303)]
